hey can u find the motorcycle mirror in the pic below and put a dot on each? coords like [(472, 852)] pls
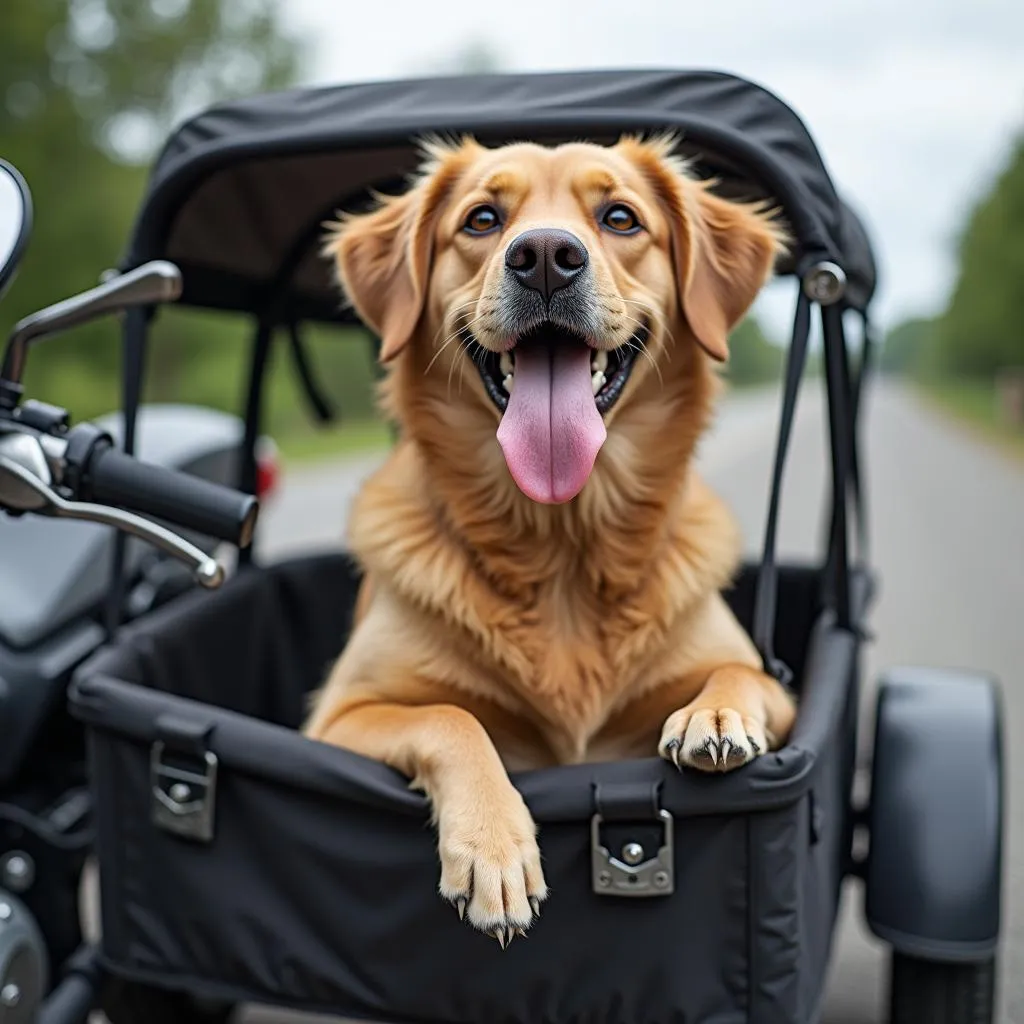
[(149, 285), (15, 221)]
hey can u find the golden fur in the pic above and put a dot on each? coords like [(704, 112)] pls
[(497, 633)]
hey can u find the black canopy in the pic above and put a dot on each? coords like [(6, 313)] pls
[(239, 193)]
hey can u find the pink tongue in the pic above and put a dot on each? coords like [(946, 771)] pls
[(551, 431)]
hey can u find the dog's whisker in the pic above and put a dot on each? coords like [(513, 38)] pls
[(639, 347), (457, 333), (461, 351), (656, 315)]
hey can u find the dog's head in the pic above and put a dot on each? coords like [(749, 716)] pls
[(565, 278)]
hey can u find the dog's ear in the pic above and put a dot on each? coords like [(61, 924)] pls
[(723, 252), (382, 266), (383, 258), (725, 259)]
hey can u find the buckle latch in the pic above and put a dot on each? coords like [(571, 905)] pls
[(184, 797), (633, 872)]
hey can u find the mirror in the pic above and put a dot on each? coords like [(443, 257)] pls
[(15, 220)]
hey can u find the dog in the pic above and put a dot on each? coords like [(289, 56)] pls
[(543, 566)]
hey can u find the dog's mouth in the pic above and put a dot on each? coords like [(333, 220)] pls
[(609, 368), (553, 390)]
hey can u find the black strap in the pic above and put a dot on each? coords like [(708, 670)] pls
[(628, 801), (766, 596), (854, 389), (322, 408), (259, 364), (133, 359), (841, 437)]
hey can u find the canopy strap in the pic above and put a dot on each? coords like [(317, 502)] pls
[(841, 431), (133, 360), (318, 402), (766, 596), (259, 364), (854, 390)]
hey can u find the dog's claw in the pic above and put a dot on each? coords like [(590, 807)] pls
[(521, 933), (460, 906), (673, 748), (499, 934), (535, 905), (711, 749), (754, 745)]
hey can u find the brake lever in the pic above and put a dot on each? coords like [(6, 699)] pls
[(34, 495)]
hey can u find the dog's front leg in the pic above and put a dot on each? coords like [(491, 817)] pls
[(739, 713), (490, 861)]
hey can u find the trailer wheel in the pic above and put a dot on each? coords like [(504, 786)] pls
[(941, 993)]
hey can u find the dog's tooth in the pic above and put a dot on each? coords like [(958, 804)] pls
[(598, 381), (508, 382), (506, 364), (600, 361)]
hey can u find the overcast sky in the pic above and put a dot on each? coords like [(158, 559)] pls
[(914, 103)]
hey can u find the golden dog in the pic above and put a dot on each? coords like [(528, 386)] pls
[(543, 565)]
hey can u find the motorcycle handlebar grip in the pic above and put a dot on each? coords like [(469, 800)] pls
[(187, 501)]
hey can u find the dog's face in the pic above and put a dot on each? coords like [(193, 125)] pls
[(565, 276)]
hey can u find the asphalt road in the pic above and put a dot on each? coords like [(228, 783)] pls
[(948, 541)]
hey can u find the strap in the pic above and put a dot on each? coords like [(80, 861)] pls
[(841, 437), (628, 801), (253, 414), (133, 357), (318, 402), (766, 596), (854, 391)]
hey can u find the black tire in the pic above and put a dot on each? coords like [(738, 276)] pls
[(128, 1002), (941, 993)]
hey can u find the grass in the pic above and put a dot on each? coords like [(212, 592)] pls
[(974, 403), (355, 437)]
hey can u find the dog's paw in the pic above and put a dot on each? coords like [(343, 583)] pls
[(490, 866), (711, 739)]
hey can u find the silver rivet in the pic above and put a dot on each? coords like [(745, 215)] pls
[(632, 853), (825, 283), (18, 871), (5, 912), (180, 792), (660, 879), (10, 994), (604, 878)]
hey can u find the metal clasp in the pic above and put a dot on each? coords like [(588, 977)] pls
[(632, 873), (184, 799)]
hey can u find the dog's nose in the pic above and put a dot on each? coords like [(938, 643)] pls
[(546, 259)]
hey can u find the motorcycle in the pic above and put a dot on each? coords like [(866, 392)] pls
[(66, 492)]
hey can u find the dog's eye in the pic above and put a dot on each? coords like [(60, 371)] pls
[(481, 220), (620, 218)]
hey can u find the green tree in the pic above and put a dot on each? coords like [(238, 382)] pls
[(753, 359), (982, 330), (908, 346), (88, 91)]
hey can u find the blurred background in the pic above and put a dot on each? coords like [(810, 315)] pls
[(918, 108)]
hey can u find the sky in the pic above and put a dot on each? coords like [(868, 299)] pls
[(914, 104)]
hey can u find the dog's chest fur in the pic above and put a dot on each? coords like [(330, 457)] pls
[(562, 648)]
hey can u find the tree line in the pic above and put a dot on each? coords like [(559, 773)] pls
[(89, 90), (979, 335)]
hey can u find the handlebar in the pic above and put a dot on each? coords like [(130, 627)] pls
[(50, 473), (113, 478)]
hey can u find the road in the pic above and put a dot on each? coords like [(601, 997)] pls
[(948, 541)]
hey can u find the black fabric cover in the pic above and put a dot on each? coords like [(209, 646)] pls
[(239, 193), (318, 889)]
